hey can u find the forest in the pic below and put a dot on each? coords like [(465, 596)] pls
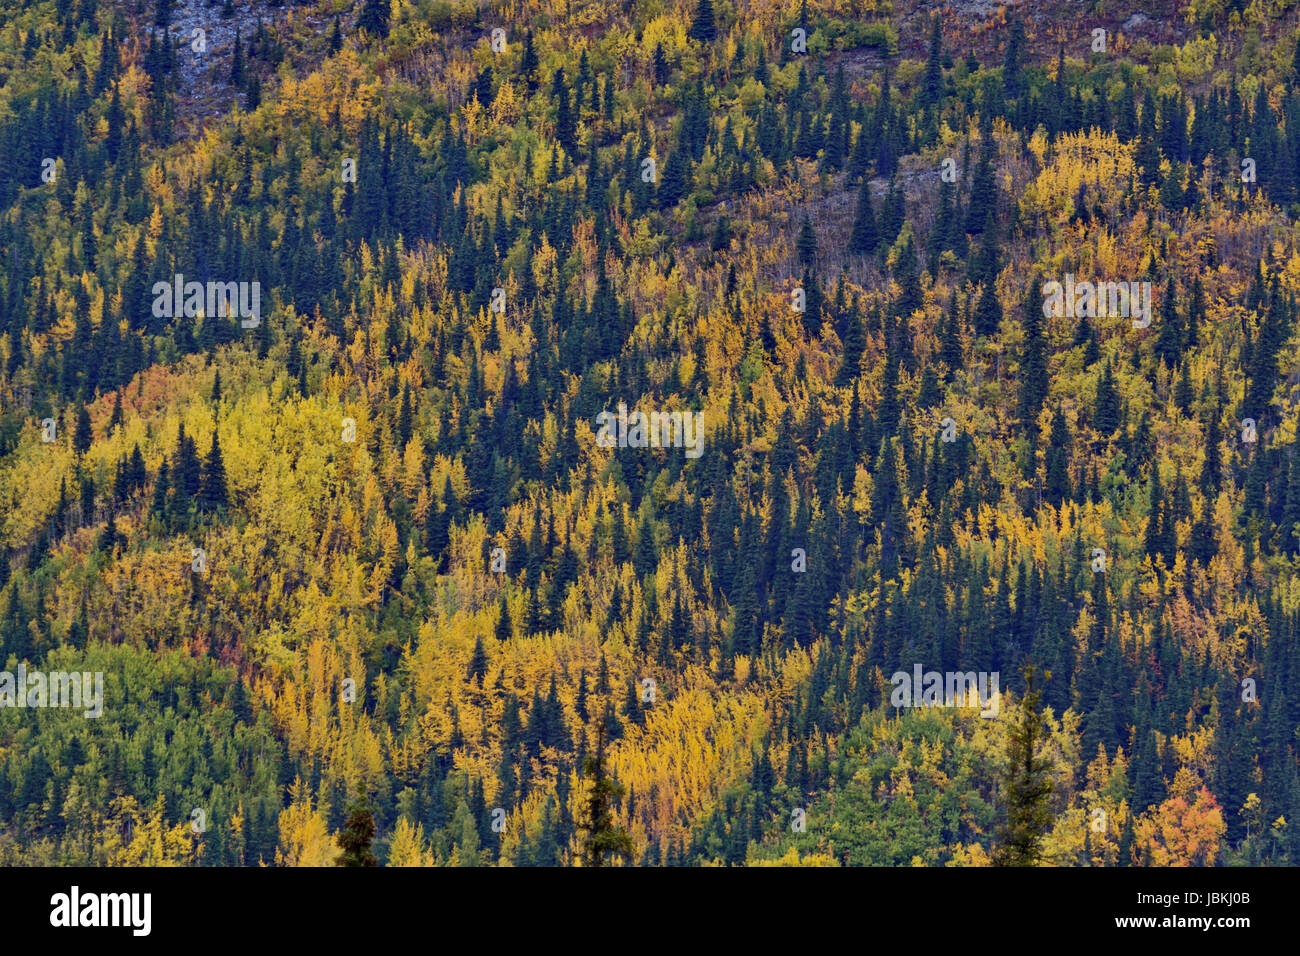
[(366, 584)]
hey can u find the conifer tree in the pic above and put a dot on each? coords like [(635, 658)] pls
[(932, 85), (1106, 410), (358, 832), (564, 120), (82, 436), (1033, 362), (478, 661), (855, 342), (659, 65), (864, 237), (528, 62), (807, 243), (1056, 482), (237, 61), (213, 494), (1027, 785), (988, 311), (504, 629), (703, 27), (1013, 61), (374, 17), (603, 838)]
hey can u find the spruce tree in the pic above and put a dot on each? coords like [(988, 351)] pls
[(703, 28), (478, 662), (374, 17), (1013, 62), (564, 121), (504, 629), (358, 832), (807, 243), (603, 839), (855, 343), (82, 435), (659, 65), (237, 62), (932, 85), (1106, 410), (1027, 785), (988, 312), (161, 490), (1033, 360), (864, 237), (213, 493), (528, 62), (1056, 483)]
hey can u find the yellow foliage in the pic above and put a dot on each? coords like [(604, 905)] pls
[(304, 835)]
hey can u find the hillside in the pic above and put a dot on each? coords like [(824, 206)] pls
[(368, 542)]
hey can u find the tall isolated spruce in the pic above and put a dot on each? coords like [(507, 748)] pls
[(604, 839), (1027, 784)]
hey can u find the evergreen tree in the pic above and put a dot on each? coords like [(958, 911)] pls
[(528, 62), (807, 243), (82, 435), (988, 312), (374, 17), (504, 629), (1056, 483), (358, 832), (1106, 410), (237, 60), (1027, 785), (564, 119), (478, 662), (659, 65), (864, 236), (604, 839), (703, 27), (932, 85), (161, 491), (1013, 62), (675, 179), (855, 343), (1033, 363), (213, 493)]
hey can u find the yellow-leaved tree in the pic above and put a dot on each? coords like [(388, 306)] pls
[(305, 839)]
